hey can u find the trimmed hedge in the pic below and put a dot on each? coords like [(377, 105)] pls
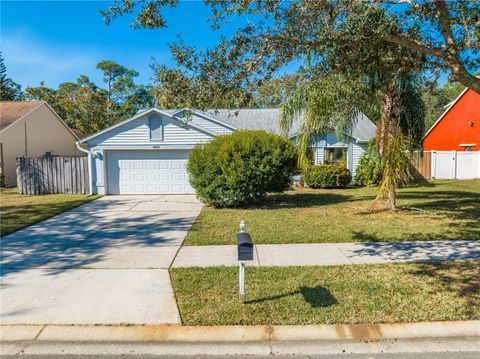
[(327, 176), (242, 167)]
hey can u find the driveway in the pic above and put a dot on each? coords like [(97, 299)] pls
[(105, 262)]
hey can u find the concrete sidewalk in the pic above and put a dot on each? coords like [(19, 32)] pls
[(330, 253)]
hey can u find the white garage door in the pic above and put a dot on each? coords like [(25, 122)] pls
[(147, 172)]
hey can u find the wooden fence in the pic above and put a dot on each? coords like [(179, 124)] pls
[(422, 165), (52, 175)]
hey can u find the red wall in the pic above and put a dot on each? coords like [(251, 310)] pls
[(454, 128)]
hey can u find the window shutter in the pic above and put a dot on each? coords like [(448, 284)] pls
[(156, 128)]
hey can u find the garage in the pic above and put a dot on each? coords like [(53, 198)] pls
[(147, 172)]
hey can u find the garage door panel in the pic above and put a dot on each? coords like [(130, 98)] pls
[(147, 172)]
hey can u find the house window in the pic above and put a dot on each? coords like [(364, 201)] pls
[(335, 155), (156, 128)]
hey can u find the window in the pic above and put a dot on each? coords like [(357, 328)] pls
[(335, 155), (156, 128)]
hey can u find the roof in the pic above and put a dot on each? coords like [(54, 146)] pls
[(139, 114), (11, 111), (363, 129)]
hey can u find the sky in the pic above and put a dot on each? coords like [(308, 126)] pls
[(56, 41)]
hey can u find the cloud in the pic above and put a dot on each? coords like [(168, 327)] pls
[(30, 60)]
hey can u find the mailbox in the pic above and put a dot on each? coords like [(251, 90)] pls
[(245, 247)]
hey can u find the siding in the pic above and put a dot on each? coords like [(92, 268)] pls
[(355, 150), (358, 149), (137, 133)]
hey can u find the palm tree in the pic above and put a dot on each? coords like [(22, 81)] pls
[(332, 103)]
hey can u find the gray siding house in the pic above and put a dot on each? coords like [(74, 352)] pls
[(148, 153)]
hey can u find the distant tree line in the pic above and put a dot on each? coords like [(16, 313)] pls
[(85, 106)]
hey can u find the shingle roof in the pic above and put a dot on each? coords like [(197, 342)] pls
[(363, 128), (10, 111)]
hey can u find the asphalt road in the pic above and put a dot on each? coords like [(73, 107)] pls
[(433, 355)]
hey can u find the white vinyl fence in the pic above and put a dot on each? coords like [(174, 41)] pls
[(455, 165)]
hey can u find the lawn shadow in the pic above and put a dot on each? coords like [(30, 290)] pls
[(301, 200), (317, 297)]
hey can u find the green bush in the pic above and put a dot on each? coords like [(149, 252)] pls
[(369, 169), (327, 176), (241, 168)]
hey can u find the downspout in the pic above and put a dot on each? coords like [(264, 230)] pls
[(90, 174)]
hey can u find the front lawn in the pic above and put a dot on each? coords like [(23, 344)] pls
[(378, 293), (439, 210), (19, 211)]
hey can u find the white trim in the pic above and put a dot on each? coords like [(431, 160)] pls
[(467, 144), (23, 116), (152, 110), (452, 104)]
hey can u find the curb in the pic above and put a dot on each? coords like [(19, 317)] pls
[(237, 333)]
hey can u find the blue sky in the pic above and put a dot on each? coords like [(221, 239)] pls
[(56, 41)]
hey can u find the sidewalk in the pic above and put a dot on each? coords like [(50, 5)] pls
[(330, 253)]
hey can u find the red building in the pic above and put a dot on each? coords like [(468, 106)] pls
[(458, 128)]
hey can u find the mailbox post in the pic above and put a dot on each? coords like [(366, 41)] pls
[(245, 253)]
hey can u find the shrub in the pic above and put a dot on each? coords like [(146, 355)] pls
[(327, 176), (241, 168), (369, 169)]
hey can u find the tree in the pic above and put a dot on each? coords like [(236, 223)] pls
[(89, 108), (173, 88), (437, 98), (123, 95), (9, 89), (445, 34)]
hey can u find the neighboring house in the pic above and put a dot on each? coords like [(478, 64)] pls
[(458, 128), (32, 129), (148, 153)]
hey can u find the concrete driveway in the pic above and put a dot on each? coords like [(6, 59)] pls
[(105, 262)]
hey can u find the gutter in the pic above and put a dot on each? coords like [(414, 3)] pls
[(90, 174)]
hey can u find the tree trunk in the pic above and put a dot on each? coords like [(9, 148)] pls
[(388, 129)]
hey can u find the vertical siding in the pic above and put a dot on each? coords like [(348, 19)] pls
[(357, 151)]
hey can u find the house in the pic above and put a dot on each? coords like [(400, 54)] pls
[(32, 129), (458, 128), (148, 153)]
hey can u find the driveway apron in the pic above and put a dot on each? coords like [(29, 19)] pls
[(105, 262)]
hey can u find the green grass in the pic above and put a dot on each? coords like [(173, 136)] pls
[(20, 211), (439, 210), (334, 294)]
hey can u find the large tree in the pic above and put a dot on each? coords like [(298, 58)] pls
[(444, 33), (9, 89)]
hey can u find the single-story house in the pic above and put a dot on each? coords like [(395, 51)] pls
[(458, 128), (32, 129), (148, 153)]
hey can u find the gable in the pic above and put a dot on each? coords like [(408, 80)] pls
[(459, 124), (137, 131)]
